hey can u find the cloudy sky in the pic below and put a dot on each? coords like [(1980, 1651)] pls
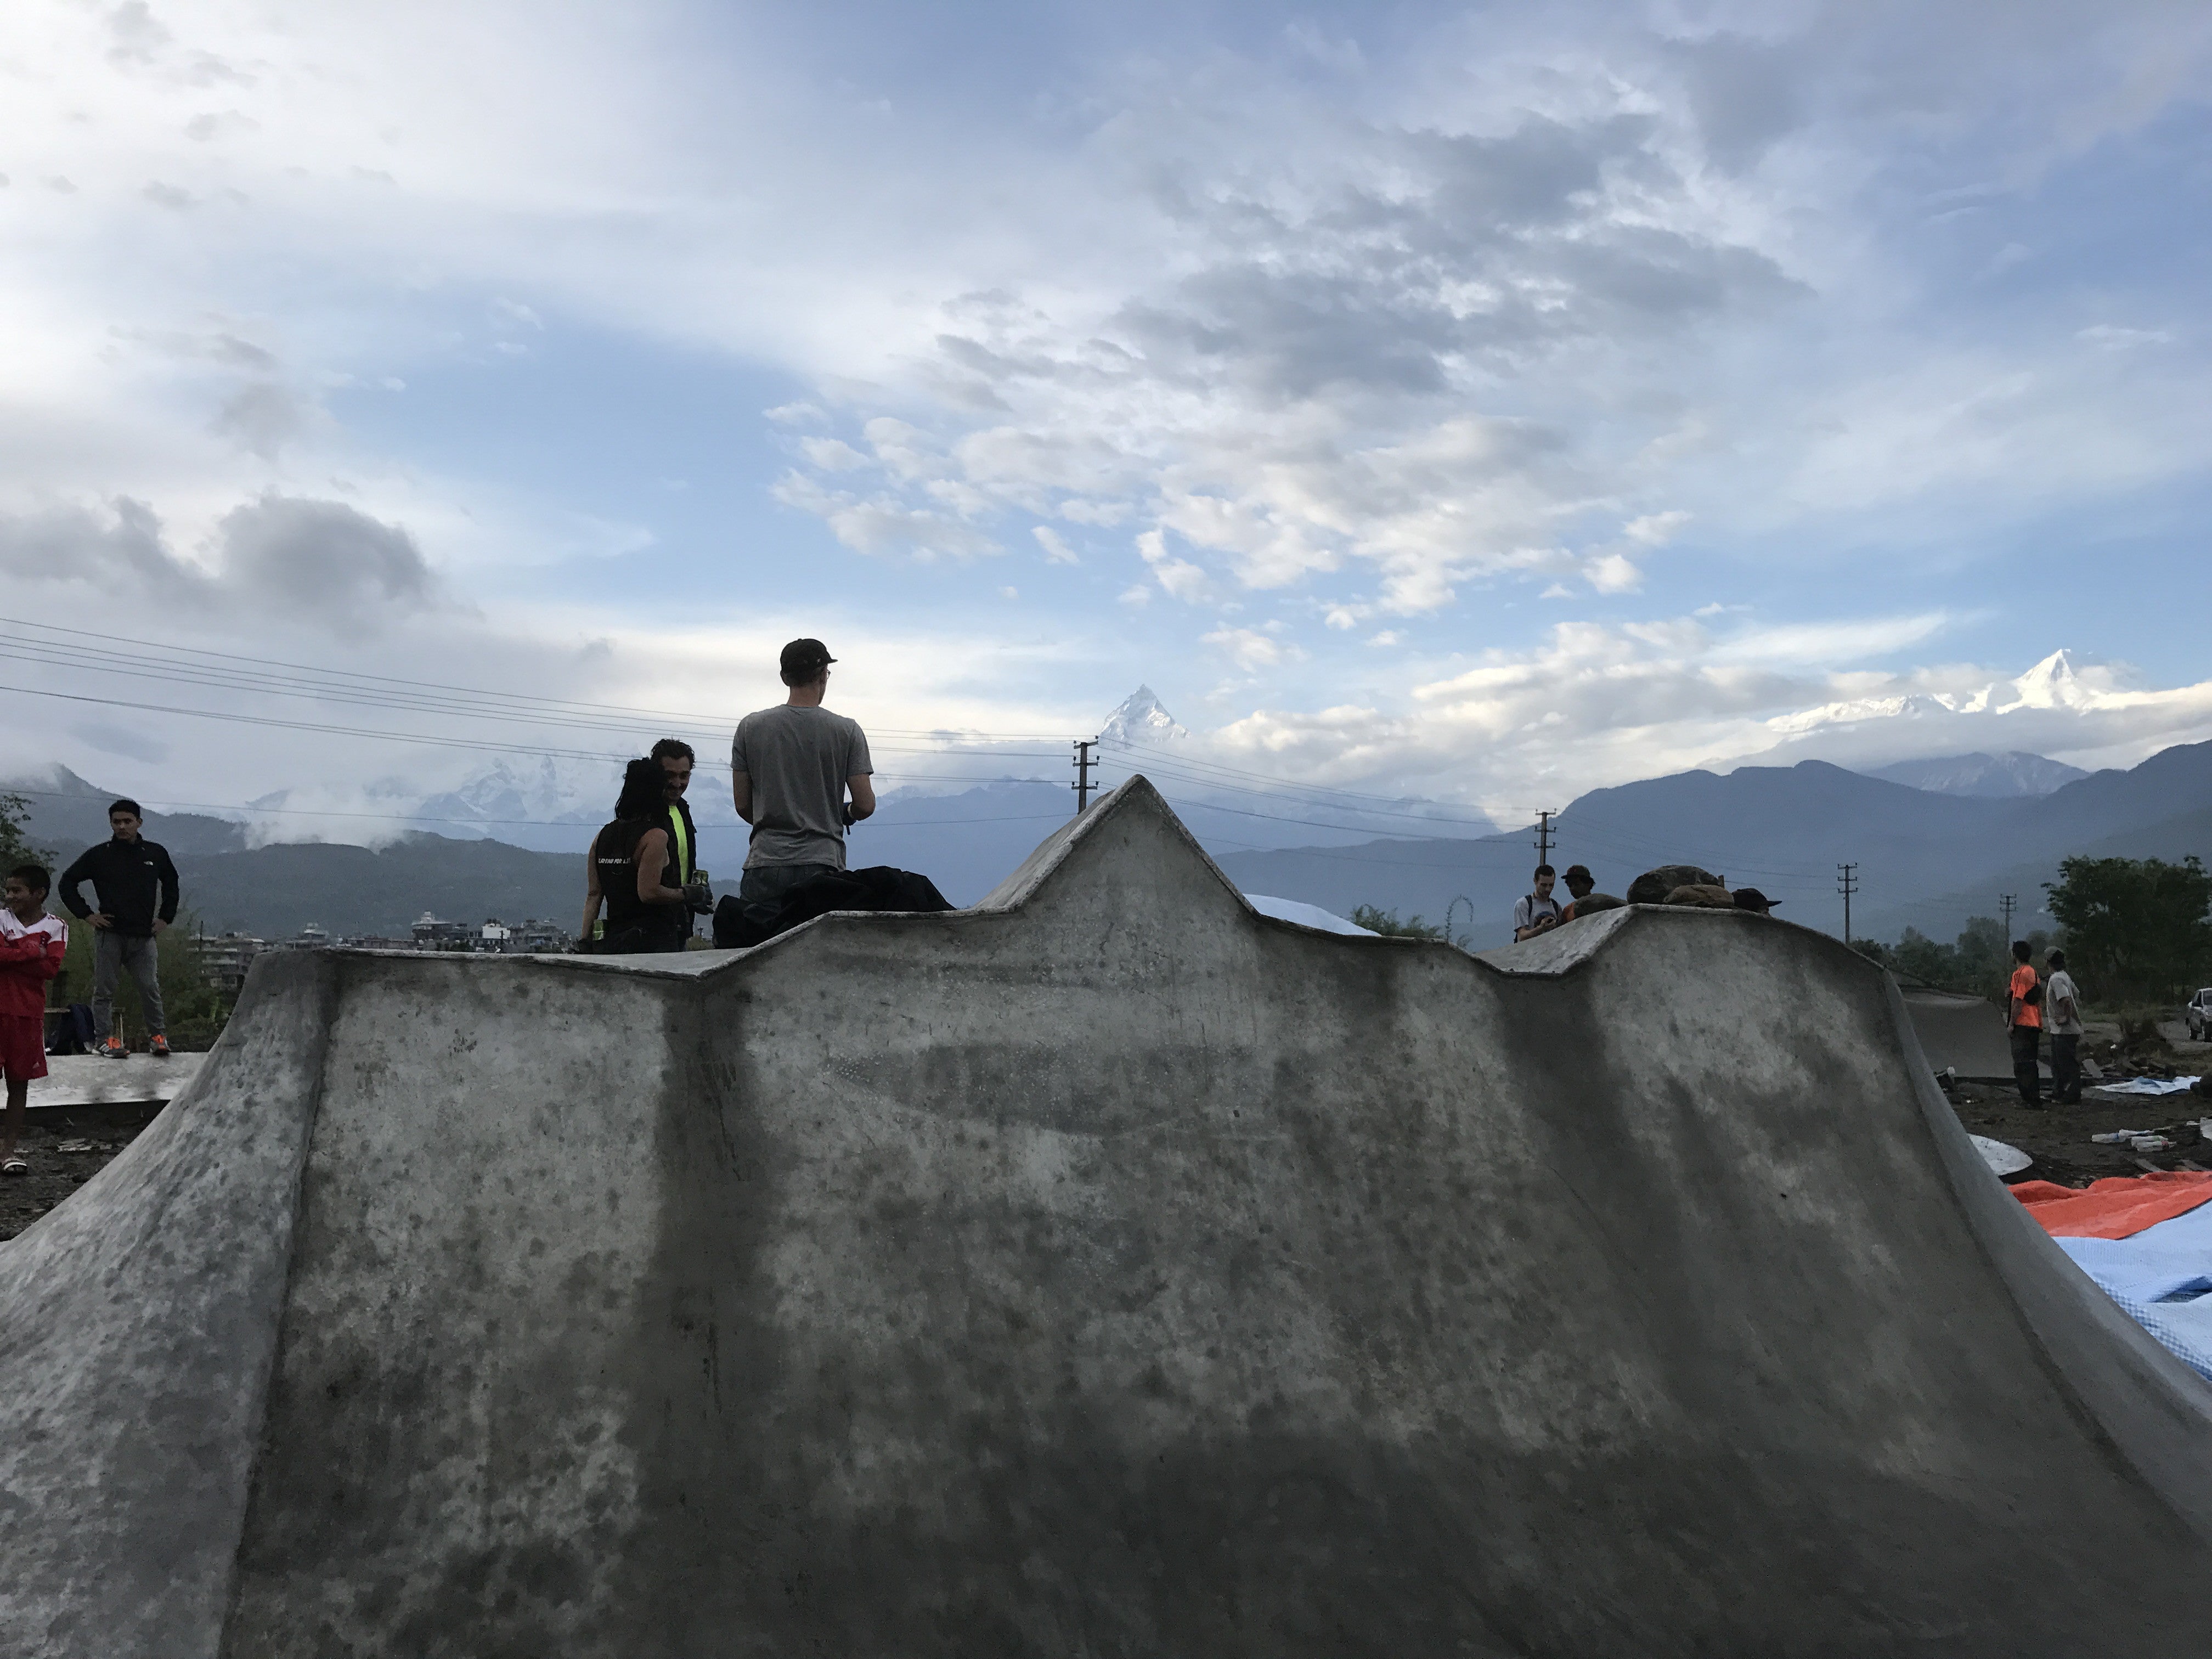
[(1488, 402)]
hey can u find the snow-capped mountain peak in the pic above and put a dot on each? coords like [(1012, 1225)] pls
[(1141, 718), (2054, 683)]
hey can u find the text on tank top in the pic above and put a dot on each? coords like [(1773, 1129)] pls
[(614, 856)]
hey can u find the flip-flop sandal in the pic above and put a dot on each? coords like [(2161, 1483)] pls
[(14, 1166)]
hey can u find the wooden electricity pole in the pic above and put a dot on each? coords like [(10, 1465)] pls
[(1083, 786), (1543, 816)]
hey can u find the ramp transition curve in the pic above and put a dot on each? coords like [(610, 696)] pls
[(1107, 1270)]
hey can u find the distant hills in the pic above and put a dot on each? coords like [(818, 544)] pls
[(1922, 860), (1996, 776), (1925, 857), (276, 890)]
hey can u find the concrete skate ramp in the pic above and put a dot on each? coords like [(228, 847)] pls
[(1105, 1271), (1965, 1033)]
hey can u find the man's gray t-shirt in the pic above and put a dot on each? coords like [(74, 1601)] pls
[(799, 760), (2060, 987), (1528, 910)]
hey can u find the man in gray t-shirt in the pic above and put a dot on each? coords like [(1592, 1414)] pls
[(791, 768)]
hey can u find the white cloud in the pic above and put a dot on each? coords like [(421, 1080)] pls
[(832, 455), (1179, 577), (2114, 338), (1655, 529), (1613, 572), (1250, 649), (1426, 326), (1056, 551)]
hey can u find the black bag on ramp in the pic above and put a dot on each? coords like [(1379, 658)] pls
[(738, 926)]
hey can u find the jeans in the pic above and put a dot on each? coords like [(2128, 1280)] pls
[(112, 952), (2066, 1068), (2024, 1071), (761, 888)]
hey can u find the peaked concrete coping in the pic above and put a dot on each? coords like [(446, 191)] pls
[(1108, 1268)]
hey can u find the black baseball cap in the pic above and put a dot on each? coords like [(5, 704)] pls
[(803, 660), (1750, 899)]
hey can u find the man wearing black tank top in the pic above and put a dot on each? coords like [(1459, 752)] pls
[(629, 870)]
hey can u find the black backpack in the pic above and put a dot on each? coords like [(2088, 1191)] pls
[(880, 887)]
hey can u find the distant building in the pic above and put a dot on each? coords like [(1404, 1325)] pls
[(432, 934), (537, 937), (224, 961), (314, 937)]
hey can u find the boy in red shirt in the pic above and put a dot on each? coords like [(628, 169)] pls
[(31, 944)]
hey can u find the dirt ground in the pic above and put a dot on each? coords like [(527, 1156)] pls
[(2058, 1137), (63, 1157)]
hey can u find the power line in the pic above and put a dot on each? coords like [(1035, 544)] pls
[(690, 727), (101, 655), (1847, 884), (2008, 903), (230, 672), (540, 823)]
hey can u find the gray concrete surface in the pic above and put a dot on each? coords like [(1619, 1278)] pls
[(1965, 1033), (94, 1080), (1107, 1270)]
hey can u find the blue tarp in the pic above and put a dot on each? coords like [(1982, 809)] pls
[(2163, 1278)]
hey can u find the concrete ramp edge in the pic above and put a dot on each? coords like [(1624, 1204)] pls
[(1110, 1269)]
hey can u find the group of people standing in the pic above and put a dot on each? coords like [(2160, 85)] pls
[(2035, 1004), (1537, 912), (799, 776)]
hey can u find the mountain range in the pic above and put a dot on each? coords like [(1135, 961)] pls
[(1995, 775), (1919, 858), (1931, 841)]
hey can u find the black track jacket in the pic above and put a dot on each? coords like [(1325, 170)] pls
[(127, 876)]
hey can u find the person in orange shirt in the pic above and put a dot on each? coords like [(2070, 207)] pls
[(2024, 1017)]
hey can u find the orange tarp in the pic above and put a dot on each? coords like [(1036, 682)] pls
[(2119, 1206)]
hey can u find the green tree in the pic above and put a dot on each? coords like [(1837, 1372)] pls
[(15, 848), (1386, 923), (1980, 961), (2137, 929)]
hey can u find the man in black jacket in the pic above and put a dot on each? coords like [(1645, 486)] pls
[(129, 875)]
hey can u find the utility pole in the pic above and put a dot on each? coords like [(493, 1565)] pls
[(1847, 883), (2009, 903), (1543, 816), (1083, 786)]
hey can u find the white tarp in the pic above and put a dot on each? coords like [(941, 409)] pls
[(1306, 916), (2161, 1277)]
